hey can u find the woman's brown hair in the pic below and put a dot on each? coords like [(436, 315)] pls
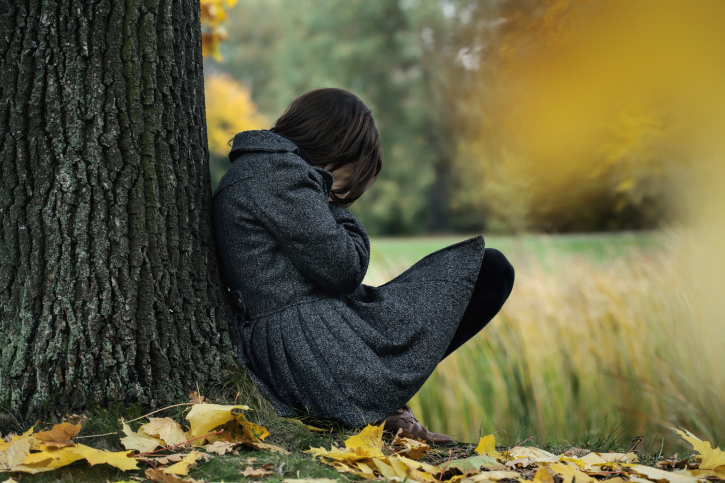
[(334, 127)]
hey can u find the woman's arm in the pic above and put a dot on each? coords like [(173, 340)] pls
[(325, 242)]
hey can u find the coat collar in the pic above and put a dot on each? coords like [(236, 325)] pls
[(265, 141), (269, 142)]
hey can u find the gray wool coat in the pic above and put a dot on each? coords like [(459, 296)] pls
[(313, 337)]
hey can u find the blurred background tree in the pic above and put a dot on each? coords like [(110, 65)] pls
[(494, 116)]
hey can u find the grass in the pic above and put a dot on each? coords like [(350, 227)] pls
[(598, 328)]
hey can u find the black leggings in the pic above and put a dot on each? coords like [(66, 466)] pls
[(493, 287)]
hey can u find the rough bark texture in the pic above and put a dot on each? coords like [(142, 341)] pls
[(108, 280)]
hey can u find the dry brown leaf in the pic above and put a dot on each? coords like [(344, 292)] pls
[(161, 477), (408, 445), (74, 419), (220, 447), (165, 429), (164, 460), (265, 470), (194, 398), (60, 435)]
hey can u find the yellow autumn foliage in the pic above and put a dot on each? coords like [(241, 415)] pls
[(229, 110), (213, 15)]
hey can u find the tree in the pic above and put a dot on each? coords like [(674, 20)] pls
[(109, 289)]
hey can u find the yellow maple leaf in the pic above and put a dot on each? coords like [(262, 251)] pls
[(712, 459), (165, 429), (569, 473), (487, 446), (544, 475), (205, 417), (182, 467), (118, 459), (139, 441), (255, 432), (15, 454), (368, 441)]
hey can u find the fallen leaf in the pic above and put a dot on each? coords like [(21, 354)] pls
[(139, 441), (487, 446), (161, 477), (182, 467), (166, 429), (544, 475), (13, 457), (712, 459), (74, 419), (194, 398), (94, 456), (369, 440), (265, 447), (249, 471), (618, 457), (660, 476), (10, 480), (310, 428), (569, 473), (406, 444), (60, 435), (219, 447), (205, 417), (309, 480), (523, 463), (535, 454), (473, 463)]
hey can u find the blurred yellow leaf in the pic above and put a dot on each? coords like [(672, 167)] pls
[(213, 14), (536, 454), (139, 441), (660, 476), (487, 446)]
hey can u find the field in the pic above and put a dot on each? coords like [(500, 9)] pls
[(602, 333)]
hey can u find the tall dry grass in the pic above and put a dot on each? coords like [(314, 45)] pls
[(582, 344)]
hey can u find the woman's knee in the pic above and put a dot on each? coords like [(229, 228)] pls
[(498, 270)]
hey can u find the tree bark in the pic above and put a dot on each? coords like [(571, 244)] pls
[(109, 288)]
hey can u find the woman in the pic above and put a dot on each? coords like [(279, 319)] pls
[(310, 334)]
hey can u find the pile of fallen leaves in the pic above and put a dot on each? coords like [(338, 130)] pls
[(222, 429), (213, 428), (364, 456)]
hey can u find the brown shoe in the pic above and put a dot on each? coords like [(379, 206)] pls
[(403, 418)]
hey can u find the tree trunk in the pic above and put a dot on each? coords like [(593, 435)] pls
[(109, 289)]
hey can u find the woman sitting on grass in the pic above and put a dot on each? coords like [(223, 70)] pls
[(310, 334)]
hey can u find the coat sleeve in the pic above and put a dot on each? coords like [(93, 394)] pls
[(325, 242)]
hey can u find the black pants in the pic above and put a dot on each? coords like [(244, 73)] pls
[(493, 287)]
